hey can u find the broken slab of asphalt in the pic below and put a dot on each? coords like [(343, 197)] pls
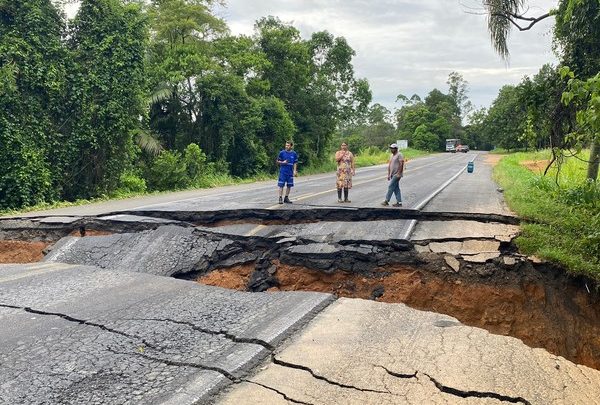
[(444, 268), (172, 250), (481, 280), (76, 334), (364, 352), (54, 228)]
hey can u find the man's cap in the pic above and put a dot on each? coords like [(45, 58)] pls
[(393, 146)]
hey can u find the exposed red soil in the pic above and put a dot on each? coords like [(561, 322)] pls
[(536, 166), (16, 251), (493, 159), (234, 278), (560, 318)]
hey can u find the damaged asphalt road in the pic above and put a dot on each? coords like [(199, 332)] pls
[(138, 338), (114, 314), (410, 357)]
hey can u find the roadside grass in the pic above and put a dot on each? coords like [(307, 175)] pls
[(368, 157), (561, 211), (210, 181)]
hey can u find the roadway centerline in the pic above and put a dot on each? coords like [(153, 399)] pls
[(412, 223), (308, 180)]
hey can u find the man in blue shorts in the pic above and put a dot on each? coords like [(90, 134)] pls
[(288, 164)]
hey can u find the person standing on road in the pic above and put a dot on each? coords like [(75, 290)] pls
[(288, 168), (395, 172), (345, 171)]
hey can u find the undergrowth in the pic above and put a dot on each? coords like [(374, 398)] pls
[(561, 210)]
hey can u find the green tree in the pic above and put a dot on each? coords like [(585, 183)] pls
[(586, 95), (576, 37), (411, 116), (181, 51), (541, 95), (506, 119), (315, 80), (276, 128), (458, 89), (107, 42), (475, 131), (32, 88), (423, 139)]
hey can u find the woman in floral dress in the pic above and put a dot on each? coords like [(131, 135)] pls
[(345, 171)]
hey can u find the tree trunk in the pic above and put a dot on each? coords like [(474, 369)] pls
[(592, 172)]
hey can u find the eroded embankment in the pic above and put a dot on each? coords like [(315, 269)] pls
[(538, 305), (481, 281)]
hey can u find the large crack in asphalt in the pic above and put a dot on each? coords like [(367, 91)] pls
[(398, 375), (281, 393), (80, 322), (176, 363), (319, 377), (455, 391), (476, 394), (220, 332), (317, 214), (49, 228), (140, 352)]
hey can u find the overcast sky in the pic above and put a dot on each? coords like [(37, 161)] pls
[(410, 46)]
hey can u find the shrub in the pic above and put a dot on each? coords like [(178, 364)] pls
[(131, 183), (168, 172), (195, 162)]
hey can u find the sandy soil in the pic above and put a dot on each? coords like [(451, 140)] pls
[(493, 159)]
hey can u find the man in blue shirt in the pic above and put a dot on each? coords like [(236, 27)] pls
[(288, 164)]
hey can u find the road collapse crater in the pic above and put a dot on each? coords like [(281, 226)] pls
[(483, 282)]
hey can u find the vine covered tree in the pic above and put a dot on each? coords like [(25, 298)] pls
[(32, 86)]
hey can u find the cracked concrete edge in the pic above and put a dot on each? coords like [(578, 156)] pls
[(212, 217), (202, 389)]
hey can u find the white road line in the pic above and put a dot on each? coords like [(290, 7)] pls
[(322, 177), (430, 197)]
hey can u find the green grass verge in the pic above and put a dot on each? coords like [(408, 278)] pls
[(561, 211)]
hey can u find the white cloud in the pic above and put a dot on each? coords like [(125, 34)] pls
[(410, 46)]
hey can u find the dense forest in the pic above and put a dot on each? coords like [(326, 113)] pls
[(156, 95), (138, 96)]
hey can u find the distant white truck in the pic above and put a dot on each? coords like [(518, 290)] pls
[(452, 144)]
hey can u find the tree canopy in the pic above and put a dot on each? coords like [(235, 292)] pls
[(158, 95)]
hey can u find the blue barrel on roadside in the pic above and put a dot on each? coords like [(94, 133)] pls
[(470, 167)]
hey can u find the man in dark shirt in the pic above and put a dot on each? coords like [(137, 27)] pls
[(395, 173), (288, 165)]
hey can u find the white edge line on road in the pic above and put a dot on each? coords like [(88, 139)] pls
[(307, 179), (424, 202), (409, 229), (430, 197)]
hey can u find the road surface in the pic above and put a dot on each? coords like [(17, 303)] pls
[(101, 321)]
